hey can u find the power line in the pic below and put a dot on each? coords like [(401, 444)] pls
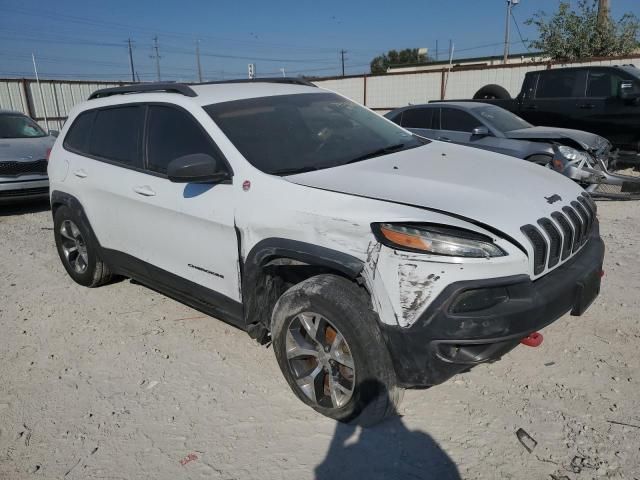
[(519, 33), (133, 72)]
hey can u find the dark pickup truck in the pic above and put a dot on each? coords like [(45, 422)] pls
[(601, 100)]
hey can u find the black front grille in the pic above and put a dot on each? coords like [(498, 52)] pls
[(22, 168), (577, 227), (564, 233), (539, 247), (567, 233), (555, 246), (25, 192)]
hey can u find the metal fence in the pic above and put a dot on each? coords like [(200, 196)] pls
[(392, 90), (49, 109), (379, 92)]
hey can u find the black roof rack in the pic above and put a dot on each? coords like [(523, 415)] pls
[(289, 80), (186, 90), (180, 88)]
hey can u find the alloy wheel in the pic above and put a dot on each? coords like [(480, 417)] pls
[(320, 360), (74, 246)]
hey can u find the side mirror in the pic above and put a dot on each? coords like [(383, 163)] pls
[(480, 132), (626, 90), (196, 168), (54, 133)]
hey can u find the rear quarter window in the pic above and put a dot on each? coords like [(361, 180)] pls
[(77, 138), (117, 135)]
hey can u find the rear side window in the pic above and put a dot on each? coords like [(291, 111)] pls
[(172, 134), (558, 84), (417, 118), (602, 84), (458, 121), (77, 138), (117, 135)]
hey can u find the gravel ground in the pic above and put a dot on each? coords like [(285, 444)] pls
[(120, 382)]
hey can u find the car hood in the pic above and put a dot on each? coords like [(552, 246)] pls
[(494, 190), (25, 149), (588, 141)]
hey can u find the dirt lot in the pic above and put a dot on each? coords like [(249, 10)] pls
[(120, 382)]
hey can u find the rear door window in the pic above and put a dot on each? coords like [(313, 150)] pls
[(117, 135), (602, 83), (559, 84), (417, 118), (174, 133), (77, 139), (457, 120)]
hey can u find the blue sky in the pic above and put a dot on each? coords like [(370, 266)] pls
[(87, 39)]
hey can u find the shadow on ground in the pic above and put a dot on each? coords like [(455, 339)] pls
[(386, 451), (27, 206)]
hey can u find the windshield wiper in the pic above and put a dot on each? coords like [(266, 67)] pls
[(378, 152), (293, 170)]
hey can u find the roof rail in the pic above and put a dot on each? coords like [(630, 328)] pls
[(180, 88), (289, 80)]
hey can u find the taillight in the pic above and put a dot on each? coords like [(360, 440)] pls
[(558, 164), (48, 154)]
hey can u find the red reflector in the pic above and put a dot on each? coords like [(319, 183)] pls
[(48, 154), (601, 273), (533, 340), (558, 165)]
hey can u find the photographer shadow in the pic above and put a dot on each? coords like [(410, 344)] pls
[(388, 450)]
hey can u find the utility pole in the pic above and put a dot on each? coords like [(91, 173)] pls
[(156, 56), (198, 60), (507, 30), (436, 50), (44, 106), (604, 11), (342, 52), (133, 74)]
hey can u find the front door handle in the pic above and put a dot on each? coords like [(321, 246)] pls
[(144, 190), (444, 139), (80, 173), (587, 106)]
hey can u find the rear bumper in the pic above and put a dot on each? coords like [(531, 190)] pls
[(441, 344), (16, 189)]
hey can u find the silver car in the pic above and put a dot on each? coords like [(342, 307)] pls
[(582, 156), (24, 148)]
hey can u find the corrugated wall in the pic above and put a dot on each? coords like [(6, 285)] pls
[(385, 92), (58, 97)]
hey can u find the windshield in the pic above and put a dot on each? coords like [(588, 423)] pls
[(501, 119), (19, 126), (287, 134)]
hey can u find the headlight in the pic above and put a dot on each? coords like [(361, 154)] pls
[(572, 154), (436, 240)]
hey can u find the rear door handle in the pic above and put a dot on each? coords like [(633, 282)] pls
[(587, 106), (80, 173), (144, 190)]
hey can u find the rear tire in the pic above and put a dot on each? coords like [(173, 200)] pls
[(492, 92), (79, 254), (331, 351)]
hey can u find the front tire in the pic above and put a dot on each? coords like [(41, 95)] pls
[(78, 252), (331, 351)]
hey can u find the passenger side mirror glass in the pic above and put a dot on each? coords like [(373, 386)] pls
[(480, 132), (54, 133), (196, 168), (627, 90)]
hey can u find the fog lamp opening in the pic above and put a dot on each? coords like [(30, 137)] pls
[(479, 299)]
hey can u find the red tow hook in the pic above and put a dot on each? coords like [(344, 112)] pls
[(533, 340)]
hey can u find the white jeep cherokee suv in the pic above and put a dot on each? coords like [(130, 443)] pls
[(372, 259)]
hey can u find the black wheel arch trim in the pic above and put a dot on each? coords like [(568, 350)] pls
[(59, 198), (253, 277)]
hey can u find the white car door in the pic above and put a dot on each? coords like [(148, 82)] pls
[(187, 229)]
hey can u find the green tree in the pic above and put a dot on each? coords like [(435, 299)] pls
[(381, 63), (571, 34)]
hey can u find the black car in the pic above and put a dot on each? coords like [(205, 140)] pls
[(601, 100)]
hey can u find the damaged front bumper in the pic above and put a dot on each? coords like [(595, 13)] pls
[(442, 343)]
